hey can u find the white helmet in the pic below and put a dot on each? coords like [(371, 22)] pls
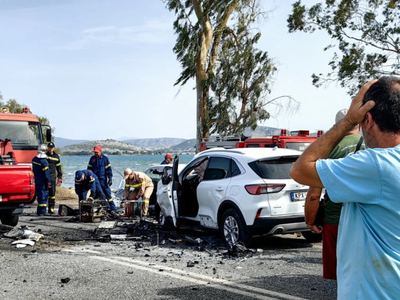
[(42, 151)]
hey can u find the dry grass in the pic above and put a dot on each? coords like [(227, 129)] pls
[(63, 193)]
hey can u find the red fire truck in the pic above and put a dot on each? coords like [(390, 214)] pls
[(298, 140), (20, 136)]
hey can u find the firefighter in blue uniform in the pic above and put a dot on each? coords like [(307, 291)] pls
[(55, 173), (86, 180), (41, 172), (100, 165)]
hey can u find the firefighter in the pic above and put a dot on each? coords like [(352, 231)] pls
[(143, 187), (55, 172), (41, 172), (86, 180), (167, 159), (100, 165)]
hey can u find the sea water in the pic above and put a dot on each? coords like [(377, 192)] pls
[(118, 164)]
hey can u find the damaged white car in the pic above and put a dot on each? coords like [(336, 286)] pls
[(241, 193)]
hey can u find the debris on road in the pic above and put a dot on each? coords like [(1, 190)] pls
[(65, 280), (24, 235), (23, 243)]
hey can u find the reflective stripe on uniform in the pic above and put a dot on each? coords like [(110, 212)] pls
[(52, 158), (54, 197), (45, 168), (135, 185), (36, 163), (110, 200), (41, 205), (59, 164), (109, 165), (146, 201)]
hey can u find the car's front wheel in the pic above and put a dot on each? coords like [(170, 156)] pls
[(164, 221), (232, 228)]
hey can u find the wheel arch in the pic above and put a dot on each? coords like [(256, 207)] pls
[(227, 204)]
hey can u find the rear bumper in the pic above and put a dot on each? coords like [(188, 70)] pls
[(270, 226)]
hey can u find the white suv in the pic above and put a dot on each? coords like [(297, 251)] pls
[(240, 192)]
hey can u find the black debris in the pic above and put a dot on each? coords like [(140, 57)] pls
[(65, 280)]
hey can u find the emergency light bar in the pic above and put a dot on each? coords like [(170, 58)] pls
[(303, 133)]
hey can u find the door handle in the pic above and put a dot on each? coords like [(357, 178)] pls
[(219, 189)]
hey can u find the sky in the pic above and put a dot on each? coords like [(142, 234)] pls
[(105, 69)]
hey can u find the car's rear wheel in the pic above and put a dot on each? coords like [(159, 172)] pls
[(7, 218), (312, 237), (232, 228)]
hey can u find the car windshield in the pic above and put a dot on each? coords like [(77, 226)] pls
[(23, 135), (154, 173), (277, 168)]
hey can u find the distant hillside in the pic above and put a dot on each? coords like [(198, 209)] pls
[(61, 142), (187, 146), (153, 146), (109, 147), (154, 143)]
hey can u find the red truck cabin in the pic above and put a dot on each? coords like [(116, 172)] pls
[(24, 132)]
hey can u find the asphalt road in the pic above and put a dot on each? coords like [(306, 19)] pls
[(69, 263)]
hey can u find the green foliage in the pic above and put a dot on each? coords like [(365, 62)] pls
[(233, 77), (13, 105), (17, 108), (241, 82), (366, 34)]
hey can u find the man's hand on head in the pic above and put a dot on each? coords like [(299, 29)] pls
[(357, 109)]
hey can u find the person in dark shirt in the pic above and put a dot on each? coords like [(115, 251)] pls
[(86, 180), (100, 165), (167, 159), (40, 168), (55, 173)]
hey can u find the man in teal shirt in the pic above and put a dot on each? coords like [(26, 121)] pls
[(368, 252)]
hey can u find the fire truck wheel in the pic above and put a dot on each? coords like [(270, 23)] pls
[(7, 218)]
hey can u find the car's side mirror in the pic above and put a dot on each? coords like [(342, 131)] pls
[(48, 135)]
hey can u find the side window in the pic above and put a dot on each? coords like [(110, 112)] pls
[(196, 169), (218, 168), (234, 168)]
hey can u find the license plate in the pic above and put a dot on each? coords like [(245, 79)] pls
[(300, 196)]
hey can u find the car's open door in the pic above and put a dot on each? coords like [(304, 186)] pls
[(175, 188)]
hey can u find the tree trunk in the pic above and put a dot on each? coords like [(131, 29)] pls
[(201, 75), (205, 64)]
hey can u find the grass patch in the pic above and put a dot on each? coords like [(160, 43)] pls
[(63, 193)]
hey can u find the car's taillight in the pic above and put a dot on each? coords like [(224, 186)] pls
[(258, 189), (32, 178)]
